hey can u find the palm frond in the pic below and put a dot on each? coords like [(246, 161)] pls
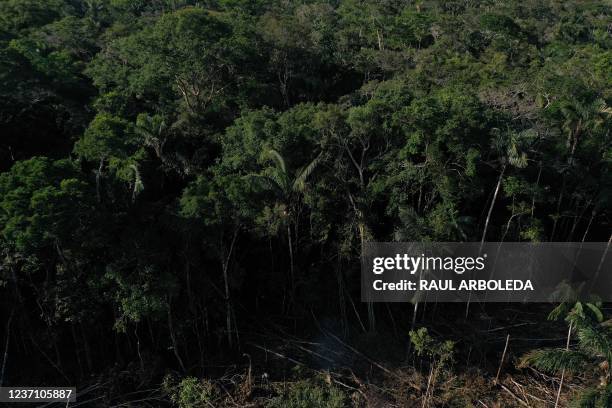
[(559, 312), (594, 398), (276, 158), (595, 340), (605, 397), (300, 180), (271, 181), (282, 180), (586, 399), (555, 360), (596, 311), (138, 184)]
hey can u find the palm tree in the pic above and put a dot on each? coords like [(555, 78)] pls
[(288, 187), (153, 131), (578, 118), (594, 346), (508, 147)]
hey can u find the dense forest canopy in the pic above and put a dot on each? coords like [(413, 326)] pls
[(178, 175)]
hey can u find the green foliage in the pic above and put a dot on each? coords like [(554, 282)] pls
[(106, 138), (305, 394), (43, 203), (185, 57), (427, 346), (439, 353), (56, 50), (16, 15), (190, 392), (138, 295), (111, 141), (499, 24)]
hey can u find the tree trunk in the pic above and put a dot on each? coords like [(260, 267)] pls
[(76, 351), (290, 244), (497, 187), (534, 193), (86, 348), (341, 299), (415, 311), (556, 219), (380, 40), (577, 220), (486, 226), (588, 227), (569, 334), (98, 180), (228, 303), (6, 347), (601, 262), (173, 338), (371, 314), (570, 162), (501, 362)]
